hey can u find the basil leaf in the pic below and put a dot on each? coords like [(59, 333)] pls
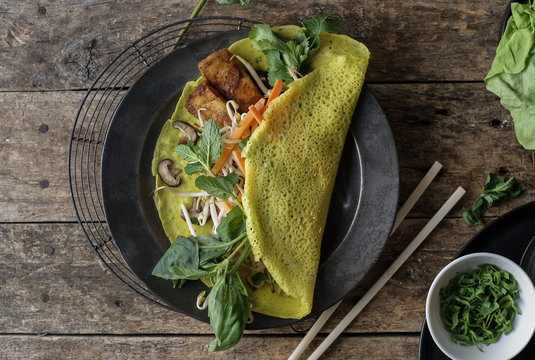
[(218, 187), (209, 144), (180, 272), (210, 248), (232, 226), (228, 310), (183, 252), (194, 168)]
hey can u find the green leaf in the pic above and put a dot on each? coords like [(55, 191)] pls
[(264, 39), (186, 153), (494, 192), (282, 54), (209, 144), (194, 168), (232, 226), (320, 23), (218, 187), (244, 142), (183, 252), (513, 70), (180, 272), (228, 310), (211, 247)]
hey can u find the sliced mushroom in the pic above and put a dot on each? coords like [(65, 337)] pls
[(188, 132), (169, 176)]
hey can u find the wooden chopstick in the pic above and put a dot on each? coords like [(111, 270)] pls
[(352, 314), (402, 213)]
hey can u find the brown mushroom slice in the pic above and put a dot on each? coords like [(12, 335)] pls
[(169, 176), (188, 132)]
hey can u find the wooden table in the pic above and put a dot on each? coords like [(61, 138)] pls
[(58, 301)]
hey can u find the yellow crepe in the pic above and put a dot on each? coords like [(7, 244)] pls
[(291, 165)]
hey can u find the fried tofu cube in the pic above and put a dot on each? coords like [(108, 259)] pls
[(205, 96), (230, 78)]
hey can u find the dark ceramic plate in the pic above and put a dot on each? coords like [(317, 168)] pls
[(509, 236), (362, 207)]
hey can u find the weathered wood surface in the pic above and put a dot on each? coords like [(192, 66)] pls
[(53, 283), (193, 348), (428, 59), (64, 44), (429, 121)]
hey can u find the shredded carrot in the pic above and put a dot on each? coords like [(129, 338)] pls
[(238, 133), (239, 197), (239, 160), (253, 128), (274, 92), (226, 206), (256, 114)]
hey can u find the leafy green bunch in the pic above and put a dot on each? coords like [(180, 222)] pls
[(479, 307), (495, 191), (284, 57), (216, 257)]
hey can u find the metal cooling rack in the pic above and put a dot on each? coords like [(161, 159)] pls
[(93, 118)]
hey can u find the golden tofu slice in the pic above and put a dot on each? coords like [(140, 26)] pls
[(230, 78), (205, 96)]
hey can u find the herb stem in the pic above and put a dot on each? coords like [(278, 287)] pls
[(193, 15), (225, 244)]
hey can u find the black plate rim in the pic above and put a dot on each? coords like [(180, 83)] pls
[(386, 224)]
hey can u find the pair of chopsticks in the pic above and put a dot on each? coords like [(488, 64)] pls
[(413, 245)]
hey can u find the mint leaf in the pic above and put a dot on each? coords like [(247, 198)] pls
[(193, 168), (218, 187), (186, 153), (209, 144)]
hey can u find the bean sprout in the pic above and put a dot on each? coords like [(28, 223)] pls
[(201, 121), (201, 301), (188, 220)]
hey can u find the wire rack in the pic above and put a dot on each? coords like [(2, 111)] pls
[(94, 116)]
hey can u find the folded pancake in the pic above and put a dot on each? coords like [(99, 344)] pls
[(291, 165)]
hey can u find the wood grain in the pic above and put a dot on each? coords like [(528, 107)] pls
[(65, 44), (193, 348), (429, 121), (57, 285)]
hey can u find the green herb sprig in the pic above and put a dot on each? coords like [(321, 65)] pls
[(216, 256), (284, 57), (494, 192), (478, 307)]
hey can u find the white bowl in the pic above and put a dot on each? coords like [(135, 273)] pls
[(508, 345)]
